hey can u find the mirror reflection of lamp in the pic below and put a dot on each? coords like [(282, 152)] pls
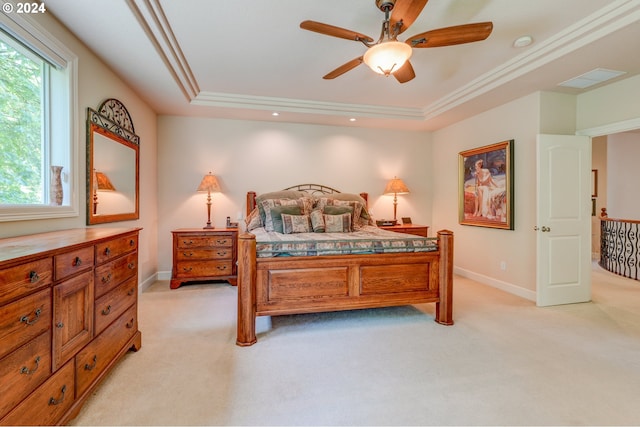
[(209, 184), (101, 182), (396, 186)]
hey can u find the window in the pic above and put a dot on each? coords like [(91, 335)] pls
[(37, 111)]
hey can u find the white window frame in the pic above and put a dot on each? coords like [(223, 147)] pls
[(63, 115)]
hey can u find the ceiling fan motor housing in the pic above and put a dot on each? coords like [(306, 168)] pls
[(385, 5)]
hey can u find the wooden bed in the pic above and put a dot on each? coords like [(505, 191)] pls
[(306, 284)]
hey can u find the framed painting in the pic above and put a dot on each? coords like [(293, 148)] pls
[(486, 186)]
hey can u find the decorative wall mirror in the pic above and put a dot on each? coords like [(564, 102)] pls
[(113, 151)]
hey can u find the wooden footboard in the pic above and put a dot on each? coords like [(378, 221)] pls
[(289, 285)]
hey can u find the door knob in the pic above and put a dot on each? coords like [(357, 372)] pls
[(544, 229)]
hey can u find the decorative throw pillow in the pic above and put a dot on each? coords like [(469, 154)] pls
[(276, 215), (357, 210), (253, 221), (296, 224), (337, 210), (337, 223), (266, 205), (317, 221)]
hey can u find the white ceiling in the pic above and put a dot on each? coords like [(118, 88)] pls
[(244, 59)]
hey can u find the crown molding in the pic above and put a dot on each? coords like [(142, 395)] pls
[(601, 23)]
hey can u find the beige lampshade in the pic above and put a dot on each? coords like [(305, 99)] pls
[(396, 186), (209, 184), (103, 183), (387, 57)]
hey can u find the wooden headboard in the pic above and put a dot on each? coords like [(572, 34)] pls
[(312, 189)]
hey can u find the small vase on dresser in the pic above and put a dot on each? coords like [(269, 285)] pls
[(56, 193)]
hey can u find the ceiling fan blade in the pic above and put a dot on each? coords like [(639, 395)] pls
[(407, 11), (448, 36), (333, 31), (405, 73), (344, 68)]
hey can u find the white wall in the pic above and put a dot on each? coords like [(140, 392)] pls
[(266, 156), (96, 82), (623, 154), (612, 103)]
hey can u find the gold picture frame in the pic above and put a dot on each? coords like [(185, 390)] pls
[(486, 186)]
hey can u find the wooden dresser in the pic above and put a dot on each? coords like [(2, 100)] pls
[(68, 313), (204, 255)]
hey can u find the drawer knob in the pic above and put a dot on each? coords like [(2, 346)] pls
[(107, 251), (131, 291), (107, 278), (53, 401), (88, 367), (190, 242), (131, 265), (59, 325), (106, 311), (30, 321), (130, 324), (77, 262), (132, 242), (222, 267), (187, 269), (33, 276), (221, 241), (28, 371), (222, 253), (190, 254)]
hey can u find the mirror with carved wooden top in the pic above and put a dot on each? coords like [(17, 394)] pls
[(113, 158)]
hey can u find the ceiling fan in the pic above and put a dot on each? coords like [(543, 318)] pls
[(388, 55)]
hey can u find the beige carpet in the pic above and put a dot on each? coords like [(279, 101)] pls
[(504, 362)]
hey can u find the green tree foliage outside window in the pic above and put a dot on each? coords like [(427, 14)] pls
[(21, 147)]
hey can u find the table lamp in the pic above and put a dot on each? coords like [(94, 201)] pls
[(209, 184)]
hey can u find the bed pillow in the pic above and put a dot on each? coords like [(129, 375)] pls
[(317, 221), (276, 215), (337, 210), (266, 206), (296, 224), (337, 223), (253, 220), (365, 215), (357, 211)]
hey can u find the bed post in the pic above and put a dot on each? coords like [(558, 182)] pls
[(246, 290), (444, 307)]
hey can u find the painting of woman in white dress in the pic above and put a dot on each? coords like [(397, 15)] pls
[(486, 186)]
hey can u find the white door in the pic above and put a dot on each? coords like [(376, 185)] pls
[(563, 220)]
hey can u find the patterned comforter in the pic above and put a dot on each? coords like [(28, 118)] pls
[(368, 240)]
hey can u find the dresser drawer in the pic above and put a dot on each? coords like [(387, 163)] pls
[(23, 320), (95, 357), (48, 403), (187, 269), (116, 247), (185, 242), (204, 254), (110, 275), (25, 278), (23, 370), (114, 303), (72, 262)]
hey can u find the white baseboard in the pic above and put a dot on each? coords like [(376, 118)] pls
[(144, 285), (164, 275), (499, 284)]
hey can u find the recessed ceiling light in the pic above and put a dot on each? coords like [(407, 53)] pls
[(352, 119), (591, 78), (275, 114), (523, 41)]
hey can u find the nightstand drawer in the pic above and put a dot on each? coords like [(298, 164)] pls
[(203, 268), (204, 254), (185, 242)]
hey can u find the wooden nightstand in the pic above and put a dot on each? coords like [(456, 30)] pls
[(204, 255), (418, 230)]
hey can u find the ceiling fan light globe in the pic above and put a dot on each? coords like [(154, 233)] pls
[(387, 57)]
